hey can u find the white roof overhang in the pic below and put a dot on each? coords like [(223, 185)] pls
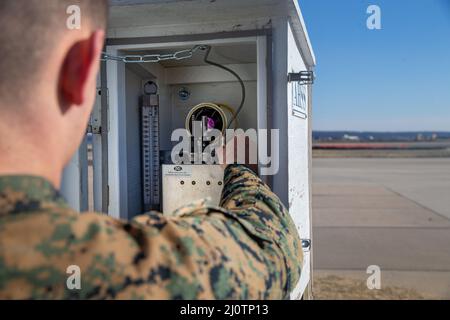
[(153, 17)]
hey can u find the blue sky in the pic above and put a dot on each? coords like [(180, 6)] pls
[(393, 79)]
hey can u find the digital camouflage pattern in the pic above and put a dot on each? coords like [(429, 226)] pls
[(246, 249)]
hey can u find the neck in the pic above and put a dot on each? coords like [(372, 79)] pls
[(21, 158)]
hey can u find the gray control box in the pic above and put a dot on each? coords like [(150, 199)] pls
[(185, 184)]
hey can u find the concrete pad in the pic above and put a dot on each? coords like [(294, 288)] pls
[(434, 195), (424, 181), (369, 206), (394, 213), (374, 217), (361, 202), (337, 189), (409, 249)]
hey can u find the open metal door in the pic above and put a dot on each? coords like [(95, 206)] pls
[(300, 79), (85, 179), (99, 156), (74, 186)]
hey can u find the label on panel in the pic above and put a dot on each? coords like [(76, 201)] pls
[(299, 100)]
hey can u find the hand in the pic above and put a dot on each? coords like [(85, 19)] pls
[(240, 149)]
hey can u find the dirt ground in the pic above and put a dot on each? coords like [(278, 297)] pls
[(339, 288)]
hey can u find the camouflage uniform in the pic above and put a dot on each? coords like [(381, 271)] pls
[(246, 249)]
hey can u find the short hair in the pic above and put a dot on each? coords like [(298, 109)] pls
[(29, 30)]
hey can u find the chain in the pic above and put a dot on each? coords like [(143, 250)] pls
[(154, 58)]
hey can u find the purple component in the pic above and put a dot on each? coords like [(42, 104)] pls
[(211, 123)]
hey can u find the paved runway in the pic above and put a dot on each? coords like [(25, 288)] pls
[(394, 213)]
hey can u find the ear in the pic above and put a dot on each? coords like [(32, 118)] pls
[(80, 67)]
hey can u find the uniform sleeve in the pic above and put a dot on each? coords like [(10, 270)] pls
[(247, 196), (247, 248)]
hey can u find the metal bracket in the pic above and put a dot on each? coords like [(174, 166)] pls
[(95, 127), (299, 114), (304, 77), (95, 121)]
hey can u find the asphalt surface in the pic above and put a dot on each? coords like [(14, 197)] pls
[(393, 213)]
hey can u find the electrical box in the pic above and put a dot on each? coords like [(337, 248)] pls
[(193, 182), (154, 76)]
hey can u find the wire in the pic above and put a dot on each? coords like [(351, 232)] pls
[(238, 111), (232, 112)]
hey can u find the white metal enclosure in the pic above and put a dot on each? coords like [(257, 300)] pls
[(262, 40)]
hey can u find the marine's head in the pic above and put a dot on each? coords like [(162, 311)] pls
[(48, 69)]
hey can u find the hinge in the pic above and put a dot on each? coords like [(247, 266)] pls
[(95, 127), (304, 77), (95, 121), (306, 245), (104, 106), (107, 198)]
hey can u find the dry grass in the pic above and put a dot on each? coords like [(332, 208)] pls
[(338, 288)]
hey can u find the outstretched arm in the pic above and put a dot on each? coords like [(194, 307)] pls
[(248, 248)]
